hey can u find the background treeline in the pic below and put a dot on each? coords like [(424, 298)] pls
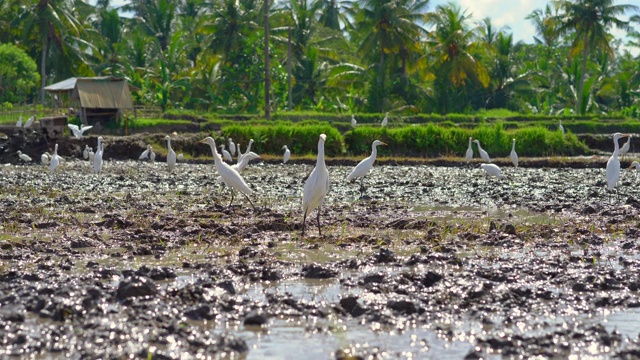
[(339, 56)]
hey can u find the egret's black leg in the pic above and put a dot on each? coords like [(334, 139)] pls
[(232, 195), (319, 229), (245, 195), (304, 219)]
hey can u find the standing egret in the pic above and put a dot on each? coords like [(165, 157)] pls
[(362, 169), (78, 132), (92, 156), (230, 176), (287, 154), (248, 156), (152, 155), (483, 154), (30, 121), (180, 157), (45, 158), (243, 164), (469, 155), (24, 157), (625, 148), (239, 158), (513, 156), (225, 154), (354, 123), (492, 170), (97, 158), (613, 165), (171, 155), (316, 186), (85, 152), (145, 153), (246, 151), (635, 165), (385, 121), (232, 147), (55, 159), (561, 128), (19, 123)]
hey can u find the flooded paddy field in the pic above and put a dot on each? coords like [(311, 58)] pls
[(433, 262)]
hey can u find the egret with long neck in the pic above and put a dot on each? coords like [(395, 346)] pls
[(362, 169), (613, 165), (513, 156), (316, 186), (171, 155), (229, 175)]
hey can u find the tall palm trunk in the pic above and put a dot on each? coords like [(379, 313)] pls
[(43, 68), (585, 53)]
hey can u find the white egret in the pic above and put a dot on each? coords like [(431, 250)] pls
[(560, 127), (19, 123), (385, 121), (225, 154), (362, 169), (24, 157), (97, 158), (171, 155), (30, 121), (229, 175), (354, 123), (45, 158), (625, 147), (287, 154), (469, 155), (613, 165), (55, 159), (243, 164), (483, 154), (316, 186), (635, 165), (246, 151), (92, 156), (492, 170), (180, 157), (232, 147), (78, 132), (152, 155), (513, 156), (85, 152), (145, 153)]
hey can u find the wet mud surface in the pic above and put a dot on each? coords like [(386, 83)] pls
[(434, 262)]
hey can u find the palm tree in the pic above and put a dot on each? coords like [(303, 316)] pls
[(589, 21), (453, 63), (52, 23), (334, 13), (547, 35), (156, 17), (390, 28)]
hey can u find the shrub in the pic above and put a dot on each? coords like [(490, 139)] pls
[(300, 138)]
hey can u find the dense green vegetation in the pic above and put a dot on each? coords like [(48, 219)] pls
[(408, 141), (344, 56)]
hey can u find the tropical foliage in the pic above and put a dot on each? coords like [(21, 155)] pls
[(337, 56)]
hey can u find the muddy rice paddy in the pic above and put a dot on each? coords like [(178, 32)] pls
[(434, 262)]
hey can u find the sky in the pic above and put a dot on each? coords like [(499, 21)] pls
[(512, 14)]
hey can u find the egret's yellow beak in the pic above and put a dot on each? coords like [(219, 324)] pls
[(383, 144), (203, 141)]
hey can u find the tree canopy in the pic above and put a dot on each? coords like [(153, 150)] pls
[(334, 55)]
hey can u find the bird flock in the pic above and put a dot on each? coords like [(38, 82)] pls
[(317, 183)]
